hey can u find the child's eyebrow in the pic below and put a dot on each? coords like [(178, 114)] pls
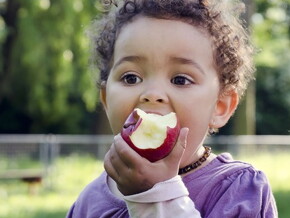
[(178, 60), (132, 58), (182, 60)]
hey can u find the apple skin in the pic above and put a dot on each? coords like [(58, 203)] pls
[(152, 154)]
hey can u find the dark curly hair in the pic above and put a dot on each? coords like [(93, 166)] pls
[(231, 45)]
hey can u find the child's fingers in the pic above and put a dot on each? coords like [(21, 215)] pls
[(128, 156), (113, 162), (126, 167), (114, 165), (108, 165)]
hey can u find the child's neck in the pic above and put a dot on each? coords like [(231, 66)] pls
[(196, 163)]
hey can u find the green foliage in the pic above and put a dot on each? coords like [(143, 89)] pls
[(271, 34), (48, 85)]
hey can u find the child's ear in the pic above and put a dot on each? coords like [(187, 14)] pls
[(225, 107)]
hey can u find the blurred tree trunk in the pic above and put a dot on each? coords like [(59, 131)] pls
[(102, 124), (10, 16), (245, 118)]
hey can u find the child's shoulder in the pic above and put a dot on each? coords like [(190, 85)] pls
[(225, 169), (226, 161), (235, 169), (225, 183)]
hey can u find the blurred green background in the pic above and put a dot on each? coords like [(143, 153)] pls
[(47, 87)]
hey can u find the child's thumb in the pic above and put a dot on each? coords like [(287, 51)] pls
[(177, 152)]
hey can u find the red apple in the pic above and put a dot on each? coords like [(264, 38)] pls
[(151, 135)]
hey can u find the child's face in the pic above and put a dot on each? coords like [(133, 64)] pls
[(162, 66)]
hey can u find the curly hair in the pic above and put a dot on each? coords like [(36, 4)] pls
[(232, 48)]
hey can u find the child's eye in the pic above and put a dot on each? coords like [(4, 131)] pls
[(131, 79), (181, 80)]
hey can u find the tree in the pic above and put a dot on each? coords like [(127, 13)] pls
[(270, 28), (45, 83), (272, 36), (244, 122)]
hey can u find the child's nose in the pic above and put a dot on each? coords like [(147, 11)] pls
[(154, 94)]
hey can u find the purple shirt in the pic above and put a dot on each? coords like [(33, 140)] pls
[(223, 188)]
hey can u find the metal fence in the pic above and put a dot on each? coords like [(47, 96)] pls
[(249, 144), (41, 150)]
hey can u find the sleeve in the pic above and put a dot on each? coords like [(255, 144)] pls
[(165, 199), (70, 212), (246, 193)]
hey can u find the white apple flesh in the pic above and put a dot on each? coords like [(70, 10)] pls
[(151, 135)]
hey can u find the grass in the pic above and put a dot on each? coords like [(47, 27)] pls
[(55, 195), (22, 162), (70, 175)]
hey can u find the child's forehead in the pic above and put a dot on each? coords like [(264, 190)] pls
[(174, 35), (163, 41), (143, 21)]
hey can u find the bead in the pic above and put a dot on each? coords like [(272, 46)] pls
[(196, 164)]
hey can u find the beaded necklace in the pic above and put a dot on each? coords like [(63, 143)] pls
[(196, 164)]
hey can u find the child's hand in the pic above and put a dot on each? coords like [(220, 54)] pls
[(133, 173)]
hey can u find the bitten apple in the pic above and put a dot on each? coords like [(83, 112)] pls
[(151, 135)]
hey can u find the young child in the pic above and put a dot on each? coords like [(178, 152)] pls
[(192, 57)]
